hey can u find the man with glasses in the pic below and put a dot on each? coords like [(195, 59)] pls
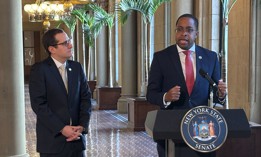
[(174, 78), (60, 98)]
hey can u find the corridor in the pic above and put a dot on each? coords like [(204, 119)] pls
[(108, 135)]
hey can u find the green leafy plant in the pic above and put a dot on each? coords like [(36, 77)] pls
[(91, 26), (105, 19), (100, 18), (227, 5), (147, 9), (70, 22)]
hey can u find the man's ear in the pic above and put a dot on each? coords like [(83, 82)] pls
[(51, 49)]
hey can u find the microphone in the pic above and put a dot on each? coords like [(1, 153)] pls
[(205, 75)]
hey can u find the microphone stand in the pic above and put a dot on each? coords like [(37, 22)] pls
[(211, 103)]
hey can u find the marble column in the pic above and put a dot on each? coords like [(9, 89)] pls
[(255, 67), (91, 64), (182, 7), (102, 51), (202, 10), (178, 8), (214, 24), (141, 57), (117, 45), (112, 53), (80, 56), (12, 112), (146, 55), (208, 14), (168, 29), (129, 62)]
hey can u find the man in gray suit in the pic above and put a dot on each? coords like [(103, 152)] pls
[(60, 98)]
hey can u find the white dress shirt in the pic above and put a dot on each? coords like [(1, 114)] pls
[(58, 64), (182, 57)]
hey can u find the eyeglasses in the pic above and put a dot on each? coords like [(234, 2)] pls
[(65, 43), (182, 29)]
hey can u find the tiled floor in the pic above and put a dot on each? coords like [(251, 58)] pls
[(108, 136)]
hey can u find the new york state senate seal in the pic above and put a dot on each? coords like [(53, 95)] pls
[(204, 129)]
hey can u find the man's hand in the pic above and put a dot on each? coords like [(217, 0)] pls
[(72, 133), (173, 94), (222, 89), (78, 129)]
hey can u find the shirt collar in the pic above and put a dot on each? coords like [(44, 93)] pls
[(193, 48), (57, 63)]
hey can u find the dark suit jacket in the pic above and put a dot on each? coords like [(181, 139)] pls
[(166, 72), (54, 107)]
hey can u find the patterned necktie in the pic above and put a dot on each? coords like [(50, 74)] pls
[(189, 71), (63, 74)]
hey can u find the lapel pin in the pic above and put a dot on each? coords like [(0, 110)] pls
[(70, 69), (199, 57)]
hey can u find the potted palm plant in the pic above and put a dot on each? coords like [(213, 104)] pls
[(105, 19), (147, 8), (91, 27), (107, 96)]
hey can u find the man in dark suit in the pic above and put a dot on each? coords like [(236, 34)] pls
[(60, 98), (169, 85)]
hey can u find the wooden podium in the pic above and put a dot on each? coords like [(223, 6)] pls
[(165, 125)]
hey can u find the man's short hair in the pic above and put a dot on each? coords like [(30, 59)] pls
[(49, 38), (189, 16)]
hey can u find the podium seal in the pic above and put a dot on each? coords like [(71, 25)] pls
[(204, 129)]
